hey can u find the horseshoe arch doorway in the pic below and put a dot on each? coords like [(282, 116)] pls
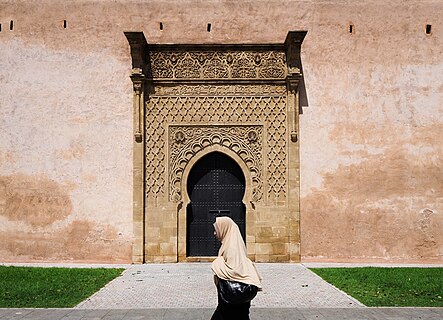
[(216, 186)]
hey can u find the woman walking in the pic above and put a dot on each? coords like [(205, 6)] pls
[(235, 275)]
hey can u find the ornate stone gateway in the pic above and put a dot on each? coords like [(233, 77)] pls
[(197, 104)]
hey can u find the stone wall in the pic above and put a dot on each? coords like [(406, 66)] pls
[(371, 141)]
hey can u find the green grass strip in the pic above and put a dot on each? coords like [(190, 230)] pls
[(395, 287), (29, 287)]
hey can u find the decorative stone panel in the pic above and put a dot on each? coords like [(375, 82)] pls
[(230, 110), (186, 141), (267, 90), (206, 64)]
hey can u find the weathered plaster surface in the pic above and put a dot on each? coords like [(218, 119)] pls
[(370, 133), (66, 158), (372, 140)]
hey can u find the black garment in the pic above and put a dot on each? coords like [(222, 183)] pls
[(233, 311), (228, 311)]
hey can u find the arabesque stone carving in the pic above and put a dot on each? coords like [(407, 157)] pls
[(186, 141), (218, 64), (232, 112)]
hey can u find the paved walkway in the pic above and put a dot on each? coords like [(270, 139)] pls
[(191, 286), (205, 314)]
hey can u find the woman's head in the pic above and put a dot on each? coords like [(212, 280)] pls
[(223, 226), (216, 231)]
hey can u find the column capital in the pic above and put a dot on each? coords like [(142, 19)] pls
[(137, 82)]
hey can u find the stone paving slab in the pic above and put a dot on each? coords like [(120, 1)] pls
[(65, 265), (191, 286), (205, 314), (378, 265)]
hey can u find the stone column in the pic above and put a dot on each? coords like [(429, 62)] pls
[(293, 45), (139, 57), (138, 167), (293, 176)]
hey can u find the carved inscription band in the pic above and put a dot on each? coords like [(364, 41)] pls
[(220, 90)]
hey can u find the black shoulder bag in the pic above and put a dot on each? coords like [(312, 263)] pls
[(234, 292)]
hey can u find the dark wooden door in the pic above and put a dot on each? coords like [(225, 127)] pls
[(216, 186)]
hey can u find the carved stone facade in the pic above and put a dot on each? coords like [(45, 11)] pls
[(240, 100), (236, 110)]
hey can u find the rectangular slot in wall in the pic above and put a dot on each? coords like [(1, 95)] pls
[(351, 28), (428, 29), (11, 25)]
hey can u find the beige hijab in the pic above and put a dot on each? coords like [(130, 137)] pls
[(232, 262)]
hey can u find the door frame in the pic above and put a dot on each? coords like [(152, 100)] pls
[(238, 215), (182, 214)]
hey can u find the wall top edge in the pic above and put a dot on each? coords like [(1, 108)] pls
[(216, 47), (293, 37)]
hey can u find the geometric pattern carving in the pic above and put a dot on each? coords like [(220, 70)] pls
[(217, 90), (212, 110), (185, 141), (218, 64)]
